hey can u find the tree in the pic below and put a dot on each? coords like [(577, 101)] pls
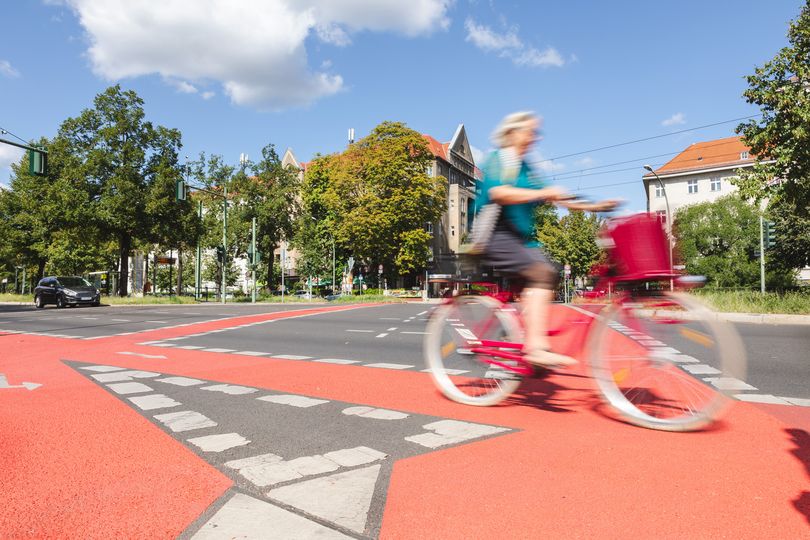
[(376, 197), (719, 240), (569, 240), (118, 153), (781, 140)]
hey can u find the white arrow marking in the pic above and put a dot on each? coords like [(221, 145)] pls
[(27, 385)]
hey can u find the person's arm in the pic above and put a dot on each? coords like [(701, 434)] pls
[(505, 195), (601, 206)]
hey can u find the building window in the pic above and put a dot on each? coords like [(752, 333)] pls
[(715, 185), (662, 216), (693, 186), (452, 230), (452, 203), (659, 191), (429, 228), (744, 155), (429, 170)]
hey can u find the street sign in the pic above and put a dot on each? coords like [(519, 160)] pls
[(166, 260), (567, 270)]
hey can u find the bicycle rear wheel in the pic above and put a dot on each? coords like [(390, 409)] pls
[(663, 362), (453, 330)]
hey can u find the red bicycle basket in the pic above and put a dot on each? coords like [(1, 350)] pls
[(639, 248)]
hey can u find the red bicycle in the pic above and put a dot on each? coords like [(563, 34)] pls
[(660, 358)]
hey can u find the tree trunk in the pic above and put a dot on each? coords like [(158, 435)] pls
[(41, 269), (179, 271), (124, 246)]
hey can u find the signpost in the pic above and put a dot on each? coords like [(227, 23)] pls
[(567, 273)]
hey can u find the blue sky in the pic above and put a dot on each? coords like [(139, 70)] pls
[(234, 75)]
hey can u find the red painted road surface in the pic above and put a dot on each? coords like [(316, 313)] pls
[(75, 462)]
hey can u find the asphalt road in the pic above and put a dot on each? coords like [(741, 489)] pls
[(384, 336)]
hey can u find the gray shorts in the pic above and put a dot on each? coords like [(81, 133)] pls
[(507, 253)]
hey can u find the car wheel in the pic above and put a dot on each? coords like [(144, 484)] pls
[(38, 302), (60, 302)]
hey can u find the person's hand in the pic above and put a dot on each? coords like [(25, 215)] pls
[(605, 206), (555, 193)]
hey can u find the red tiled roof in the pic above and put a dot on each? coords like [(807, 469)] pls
[(708, 155), (436, 148)]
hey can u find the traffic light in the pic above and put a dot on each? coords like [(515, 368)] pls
[(221, 254), (37, 162), (254, 257), (180, 190), (770, 234)]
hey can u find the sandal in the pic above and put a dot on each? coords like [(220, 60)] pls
[(547, 359)]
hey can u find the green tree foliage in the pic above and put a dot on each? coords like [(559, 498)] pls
[(781, 140), (719, 240), (569, 240), (374, 198), (128, 165)]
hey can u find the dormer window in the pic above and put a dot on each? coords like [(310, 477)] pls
[(744, 155)]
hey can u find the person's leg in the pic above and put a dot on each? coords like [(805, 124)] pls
[(535, 301)]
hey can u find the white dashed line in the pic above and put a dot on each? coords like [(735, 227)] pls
[(388, 366), (252, 353), (361, 331), (291, 357), (382, 335), (103, 369), (181, 381), (190, 347), (129, 388), (218, 350), (415, 333), (155, 401), (141, 354), (156, 322), (337, 361), (377, 414), (729, 383), (219, 443), (231, 389), (293, 400), (185, 421), (391, 329), (761, 398)]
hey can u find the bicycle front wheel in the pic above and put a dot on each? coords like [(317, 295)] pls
[(664, 362), (454, 329)]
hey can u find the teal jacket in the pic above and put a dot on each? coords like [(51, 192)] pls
[(520, 216)]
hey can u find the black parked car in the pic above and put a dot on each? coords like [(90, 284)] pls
[(65, 291)]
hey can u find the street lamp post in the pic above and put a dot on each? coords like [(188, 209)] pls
[(669, 223)]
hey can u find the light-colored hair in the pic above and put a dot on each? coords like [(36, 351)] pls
[(511, 122)]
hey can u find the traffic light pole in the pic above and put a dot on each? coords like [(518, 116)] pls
[(198, 263), (761, 255), (253, 261), (224, 239)]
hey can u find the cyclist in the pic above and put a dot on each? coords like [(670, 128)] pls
[(510, 182)]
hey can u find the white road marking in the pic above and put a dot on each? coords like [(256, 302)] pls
[(219, 443), (389, 366), (218, 350), (729, 383), (291, 357), (245, 517), (701, 369), (155, 401), (141, 354), (181, 381), (761, 398), (391, 329), (801, 402), (382, 335), (421, 313), (389, 318), (337, 361), (415, 333), (446, 432), (129, 388), (231, 389), (156, 322), (185, 421), (191, 347), (362, 331), (448, 371), (343, 498), (371, 412), (293, 400), (352, 457), (252, 353), (90, 318), (103, 369), (164, 345), (121, 376)]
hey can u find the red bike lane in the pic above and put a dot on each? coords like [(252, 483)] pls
[(78, 462)]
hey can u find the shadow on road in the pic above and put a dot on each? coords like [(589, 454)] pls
[(801, 439), (541, 393), (14, 308)]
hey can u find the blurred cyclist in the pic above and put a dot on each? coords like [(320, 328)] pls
[(510, 182)]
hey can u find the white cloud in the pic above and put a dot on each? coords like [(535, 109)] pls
[(509, 45), (256, 49), (207, 95), (183, 87), (674, 120), (8, 155), (541, 163), (7, 70)]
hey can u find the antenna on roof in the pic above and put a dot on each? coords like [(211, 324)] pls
[(351, 135)]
